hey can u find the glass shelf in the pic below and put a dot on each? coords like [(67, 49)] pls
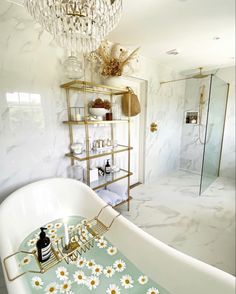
[(109, 179), (94, 88), (94, 122), (96, 154)]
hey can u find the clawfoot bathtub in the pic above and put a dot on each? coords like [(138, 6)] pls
[(33, 205)]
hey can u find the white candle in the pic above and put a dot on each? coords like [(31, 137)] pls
[(66, 233)]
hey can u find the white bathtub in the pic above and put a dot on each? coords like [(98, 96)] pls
[(33, 205)]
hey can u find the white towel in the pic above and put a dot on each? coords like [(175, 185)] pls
[(109, 197), (119, 189)]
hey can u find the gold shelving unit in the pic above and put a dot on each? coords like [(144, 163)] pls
[(88, 87)]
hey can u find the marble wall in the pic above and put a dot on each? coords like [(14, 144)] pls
[(33, 140)]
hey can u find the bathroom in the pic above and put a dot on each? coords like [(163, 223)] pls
[(172, 197)]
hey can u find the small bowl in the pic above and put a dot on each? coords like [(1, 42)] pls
[(98, 111)]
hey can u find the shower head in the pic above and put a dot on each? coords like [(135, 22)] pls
[(200, 75)]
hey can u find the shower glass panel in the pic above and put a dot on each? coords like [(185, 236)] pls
[(214, 132)]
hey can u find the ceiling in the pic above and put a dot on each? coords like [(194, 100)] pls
[(192, 27)]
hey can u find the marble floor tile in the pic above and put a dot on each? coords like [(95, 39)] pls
[(201, 226)]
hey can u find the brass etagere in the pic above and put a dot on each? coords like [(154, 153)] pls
[(88, 87)]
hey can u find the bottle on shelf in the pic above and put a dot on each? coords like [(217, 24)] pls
[(43, 246), (108, 167)]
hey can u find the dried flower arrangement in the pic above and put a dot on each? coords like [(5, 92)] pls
[(113, 58), (99, 103)]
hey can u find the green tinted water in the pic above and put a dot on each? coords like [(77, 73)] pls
[(103, 269)]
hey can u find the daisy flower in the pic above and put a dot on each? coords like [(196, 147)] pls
[(62, 273), (75, 239), (52, 231), (84, 222), (37, 283), (51, 288), (119, 265), (109, 271), (53, 236), (81, 261), (92, 282), (143, 280), (71, 227), (57, 225), (112, 250), (97, 270), (26, 260), (127, 282), (79, 277), (90, 264), (113, 289), (32, 242), (153, 291), (65, 287), (49, 226), (102, 243)]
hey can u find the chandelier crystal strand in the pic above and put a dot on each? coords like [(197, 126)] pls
[(79, 26)]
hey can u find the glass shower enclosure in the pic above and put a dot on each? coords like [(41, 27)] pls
[(214, 132)]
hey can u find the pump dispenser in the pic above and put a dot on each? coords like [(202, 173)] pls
[(108, 167), (43, 246)]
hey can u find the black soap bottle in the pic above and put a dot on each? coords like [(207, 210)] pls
[(43, 246), (107, 167)]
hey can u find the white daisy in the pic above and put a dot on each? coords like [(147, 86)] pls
[(49, 226), (51, 288), (97, 270), (53, 237), (65, 287), (113, 289), (92, 282), (52, 231), (71, 227), (112, 250), (75, 239), (102, 243), (90, 264), (119, 265), (79, 277), (32, 242), (153, 291), (26, 260), (37, 283), (58, 225), (127, 281), (143, 280), (84, 222), (62, 273), (109, 271), (81, 261)]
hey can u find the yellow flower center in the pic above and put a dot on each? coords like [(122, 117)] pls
[(52, 289), (127, 281), (62, 273), (92, 282), (153, 292), (143, 280), (113, 291), (109, 271), (97, 270), (37, 283), (65, 286), (119, 265), (81, 262), (90, 264), (80, 277)]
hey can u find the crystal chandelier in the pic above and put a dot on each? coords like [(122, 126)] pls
[(79, 26)]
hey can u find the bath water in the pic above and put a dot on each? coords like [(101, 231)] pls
[(103, 269)]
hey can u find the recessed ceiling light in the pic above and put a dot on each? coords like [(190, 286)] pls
[(172, 52), (216, 38)]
